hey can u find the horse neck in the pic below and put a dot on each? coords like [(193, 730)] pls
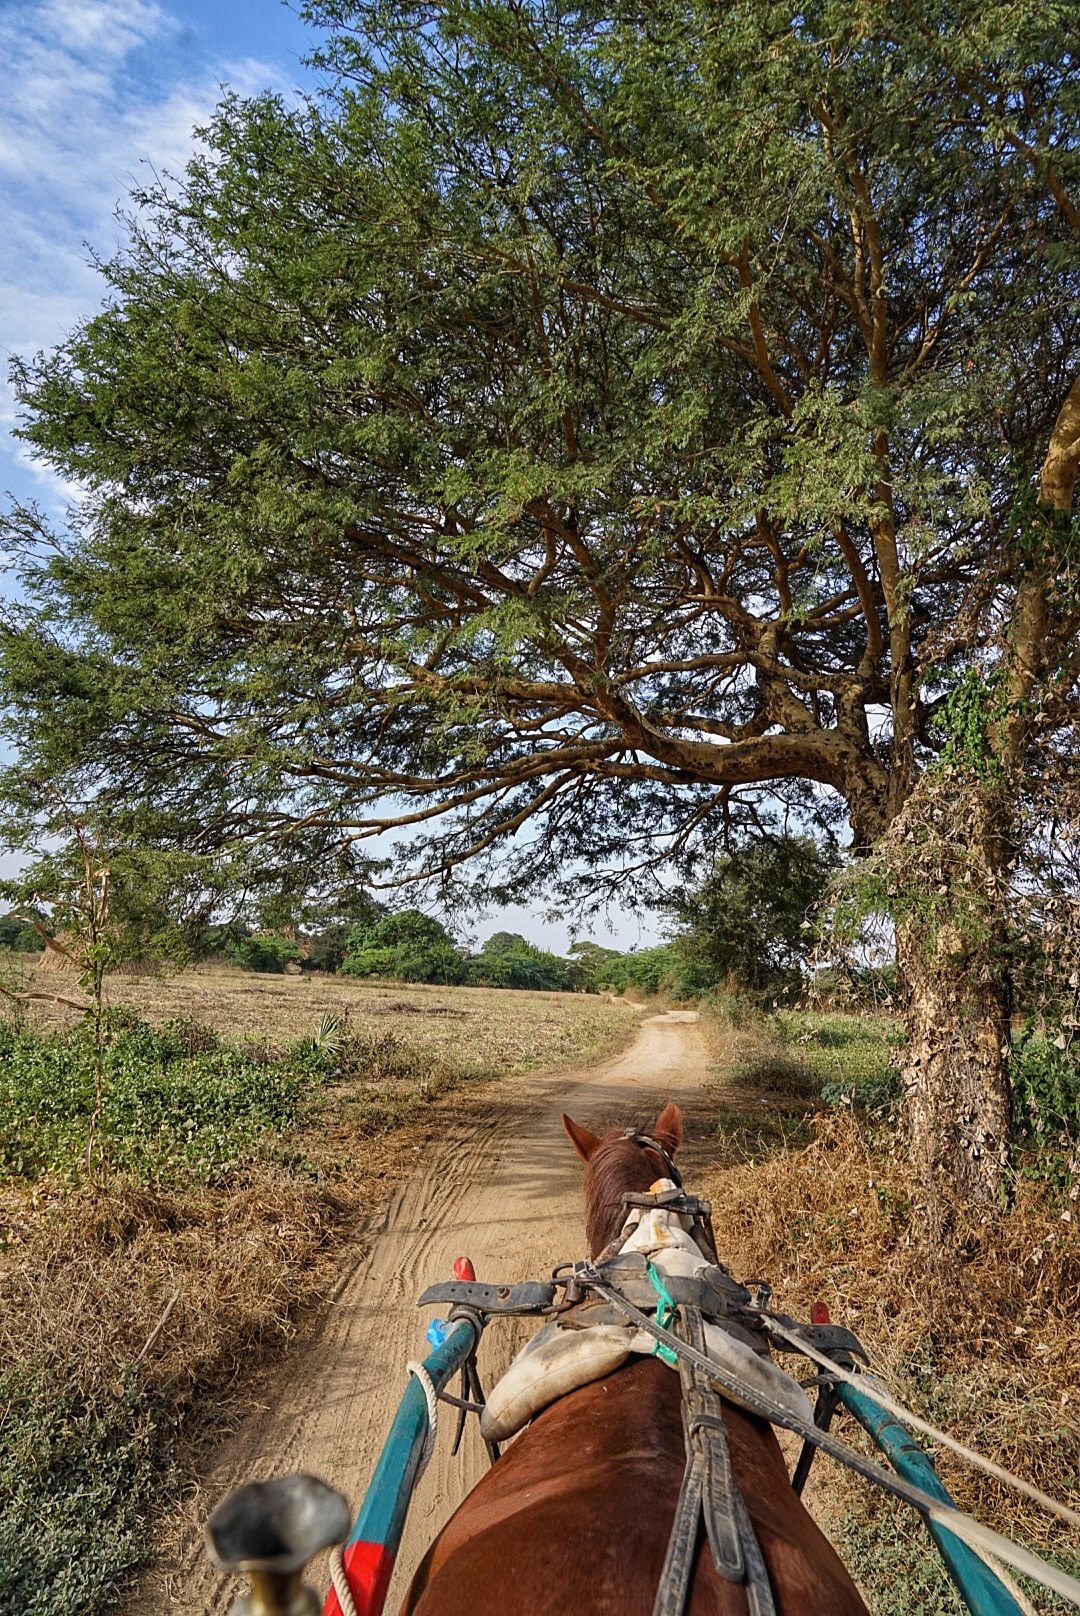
[(617, 1166)]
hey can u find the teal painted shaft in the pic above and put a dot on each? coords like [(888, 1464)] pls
[(983, 1593), (386, 1502)]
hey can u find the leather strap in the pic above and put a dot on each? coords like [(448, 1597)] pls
[(706, 1442), (709, 1489)]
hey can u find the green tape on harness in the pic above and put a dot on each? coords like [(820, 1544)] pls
[(665, 1312)]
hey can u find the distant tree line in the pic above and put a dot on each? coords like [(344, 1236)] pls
[(747, 925), (20, 936)]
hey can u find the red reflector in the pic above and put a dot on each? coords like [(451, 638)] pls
[(463, 1269), (819, 1313), (367, 1571)]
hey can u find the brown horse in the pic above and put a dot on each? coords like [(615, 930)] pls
[(576, 1514)]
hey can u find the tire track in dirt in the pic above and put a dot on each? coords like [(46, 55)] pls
[(500, 1185)]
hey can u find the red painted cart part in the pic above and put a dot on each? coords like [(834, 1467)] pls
[(463, 1269), (367, 1571), (368, 1557)]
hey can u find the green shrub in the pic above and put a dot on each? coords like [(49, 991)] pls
[(853, 1056), (409, 946), (20, 936), (650, 970), (177, 1101), (1046, 1085), (778, 1071), (78, 1474), (265, 952), (327, 950), (748, 921), (508, 961), (1046, 1101)]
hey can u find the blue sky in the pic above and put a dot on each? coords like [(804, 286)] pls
[(98, 94)]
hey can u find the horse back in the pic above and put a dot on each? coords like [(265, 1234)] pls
[(576, 1516)]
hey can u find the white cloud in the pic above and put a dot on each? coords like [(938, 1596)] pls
[(87, 102)]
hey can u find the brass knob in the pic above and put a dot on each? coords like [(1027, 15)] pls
[(270, 1530)]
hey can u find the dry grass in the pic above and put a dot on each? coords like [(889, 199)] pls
[(89, 1275), (129, 1311), (985, 1345), (132, 1318), (495, 1028)]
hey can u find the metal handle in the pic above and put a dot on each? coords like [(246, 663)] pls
[(270, 1530)]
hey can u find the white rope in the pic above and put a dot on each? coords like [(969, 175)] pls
[(432, 1396), (877, 1393), (1013, 1588), (341, 1583)]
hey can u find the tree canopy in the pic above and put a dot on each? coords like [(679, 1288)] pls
[(750, 921), (409, 945), (574, 423)]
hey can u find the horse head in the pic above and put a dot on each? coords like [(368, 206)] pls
[(621, 1161)]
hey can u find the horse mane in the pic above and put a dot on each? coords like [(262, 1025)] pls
[(617, 1165)]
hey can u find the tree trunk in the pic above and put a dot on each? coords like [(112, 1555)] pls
[(940, 862), (954, 961), (957, 1096)]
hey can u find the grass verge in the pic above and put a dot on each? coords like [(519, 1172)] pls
[(819, 1198)]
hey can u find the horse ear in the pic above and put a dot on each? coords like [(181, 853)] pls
[(668, 1128), (583, 1141)]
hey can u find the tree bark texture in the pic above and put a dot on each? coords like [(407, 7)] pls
[(957, 1097), (957, 1092)]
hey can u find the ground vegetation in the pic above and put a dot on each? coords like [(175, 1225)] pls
[(811, 1190), (243, 1126)]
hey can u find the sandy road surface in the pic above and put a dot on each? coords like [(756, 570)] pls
[(503, 1186)]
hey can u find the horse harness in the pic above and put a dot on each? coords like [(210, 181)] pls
[(625, 1287)]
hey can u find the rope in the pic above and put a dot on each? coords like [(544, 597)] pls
[(341, 1583), (999, 1571), (428, 1387), (876, 1392), (969, 1531)]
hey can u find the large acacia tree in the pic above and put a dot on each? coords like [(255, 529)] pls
[(580, 417)]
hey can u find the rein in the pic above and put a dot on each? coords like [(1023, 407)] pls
[(968, 1530), (653, 1307)]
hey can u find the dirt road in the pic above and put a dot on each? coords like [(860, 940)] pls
[(502, 1186)]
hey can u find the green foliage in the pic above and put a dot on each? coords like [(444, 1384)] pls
[(591, 956), (506, 942), (264, 952), (972, 722), (176, 1102), (856, 986), (327, 949), (843, 1058), (748, 923), (854, 1056), (20, 936), (409, 946), (1045, 1077), (929, 876), (648, 970), (506, 960), (535, 410), (78, 1475), (777, 1071)]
